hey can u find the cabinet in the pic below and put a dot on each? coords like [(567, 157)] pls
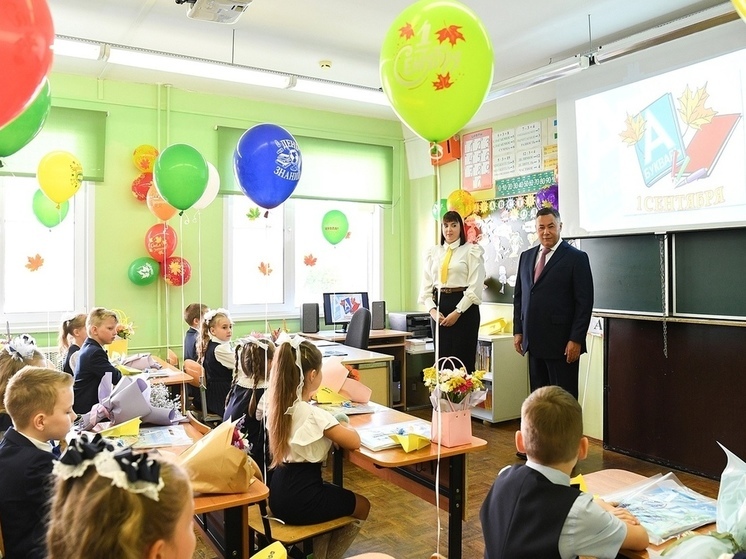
[(506, 380), (417, 394)]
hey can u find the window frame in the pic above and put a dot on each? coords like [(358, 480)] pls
[(83, 251)]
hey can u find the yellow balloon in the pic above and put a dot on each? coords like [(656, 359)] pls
[(144, 158), (436, 67), (740, 6), (60, 175), (462, 202)]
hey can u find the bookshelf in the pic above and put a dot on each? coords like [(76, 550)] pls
[(506, 379)]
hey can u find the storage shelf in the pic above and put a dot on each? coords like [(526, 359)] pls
[(506, 380)]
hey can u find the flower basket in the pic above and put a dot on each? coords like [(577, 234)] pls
[(453, 392)]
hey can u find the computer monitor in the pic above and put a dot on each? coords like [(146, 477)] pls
[(340, 306)]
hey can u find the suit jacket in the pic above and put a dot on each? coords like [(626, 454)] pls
[(92, 364), (24, 493), (558, 307), (190, 344)]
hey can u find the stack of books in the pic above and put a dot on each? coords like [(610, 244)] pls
[(419, 345)]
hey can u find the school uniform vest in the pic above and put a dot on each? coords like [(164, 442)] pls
[(218, 380), (523, 515)]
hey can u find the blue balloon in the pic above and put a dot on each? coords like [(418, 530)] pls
[(267, 164)]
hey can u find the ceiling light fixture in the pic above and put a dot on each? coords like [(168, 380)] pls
[(340, 90), (75, 48), (544, 74), (152, 60), (212, 69)]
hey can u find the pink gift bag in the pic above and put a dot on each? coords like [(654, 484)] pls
[(456, 428)]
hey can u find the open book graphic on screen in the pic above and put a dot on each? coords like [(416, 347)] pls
[(707, 146)]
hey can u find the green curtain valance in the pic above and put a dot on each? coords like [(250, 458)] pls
[(332, 169), (78, 131)]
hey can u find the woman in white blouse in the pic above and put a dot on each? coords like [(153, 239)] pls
[(452, 291)]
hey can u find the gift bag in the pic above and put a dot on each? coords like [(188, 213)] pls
[(455, 427), (215, 465)]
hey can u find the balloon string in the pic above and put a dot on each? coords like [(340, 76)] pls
[(183, 333), (437, 372), (165, 274)]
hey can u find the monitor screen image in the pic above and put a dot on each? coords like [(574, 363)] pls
[(339, 307)]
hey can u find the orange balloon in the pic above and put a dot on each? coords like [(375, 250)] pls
[(462, 202), (158, 206), (144, 158)]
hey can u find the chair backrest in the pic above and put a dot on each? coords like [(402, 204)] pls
[(197, 424), (358, 331), (194, 370), (172, 358)]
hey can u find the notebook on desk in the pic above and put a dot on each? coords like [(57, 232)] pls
[(378, 438)]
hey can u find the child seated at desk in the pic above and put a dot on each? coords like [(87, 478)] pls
[(253, 362), (40, 401), (216, 356), (72, 336), (14, 356), (300, 436), (93, 362), (121, 505), (193, 316), (532, 511)]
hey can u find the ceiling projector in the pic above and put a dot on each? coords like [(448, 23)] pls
[(219, 11)]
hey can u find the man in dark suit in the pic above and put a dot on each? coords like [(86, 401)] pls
[(552, 306)]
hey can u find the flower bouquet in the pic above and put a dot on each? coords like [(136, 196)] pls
[(452, 392)]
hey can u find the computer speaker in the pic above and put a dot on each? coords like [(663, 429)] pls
[(378, 312), (309, 318)]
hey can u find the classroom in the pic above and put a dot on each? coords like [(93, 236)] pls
[(660, 379)]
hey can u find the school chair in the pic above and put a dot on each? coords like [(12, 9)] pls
[(172, 358), (197, 372), (201, 428), (358, 331), (273, 530)]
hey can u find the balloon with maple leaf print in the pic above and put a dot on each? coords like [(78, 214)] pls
[(176, 271), (436, 67), (141, 185), (160, 241)]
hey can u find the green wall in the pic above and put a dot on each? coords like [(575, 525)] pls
[(148, 114)]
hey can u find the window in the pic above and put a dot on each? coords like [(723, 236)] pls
[(276, 263), (43, 270)]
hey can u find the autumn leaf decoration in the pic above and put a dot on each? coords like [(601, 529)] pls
[(450, 34), (309, 260), (692, 107), (34, 262), (406, 32), (254, 213), (634, 129), (443, 82), (264, 268)]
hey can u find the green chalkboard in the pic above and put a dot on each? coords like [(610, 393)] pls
[(626, 273), (709, 271)]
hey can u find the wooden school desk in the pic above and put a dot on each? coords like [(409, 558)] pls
[(408, 470), (609, 481), (231, 536), (390, 342)]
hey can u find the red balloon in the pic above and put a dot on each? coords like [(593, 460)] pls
[(160, 241), (141, 185), (176, 271), (26, 37)]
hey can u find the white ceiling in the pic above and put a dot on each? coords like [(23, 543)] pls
[(292, 36)]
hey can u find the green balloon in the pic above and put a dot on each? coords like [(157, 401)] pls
[(181, 175), (24, 128), (47, 212), (440, 209), (334, 225), (144, 270)]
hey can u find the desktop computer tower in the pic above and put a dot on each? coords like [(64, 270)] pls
[(309, 318), (378, 312)]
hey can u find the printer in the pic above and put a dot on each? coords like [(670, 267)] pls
[(418, 323)]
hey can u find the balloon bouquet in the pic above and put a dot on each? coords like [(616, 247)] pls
[(436, 69)]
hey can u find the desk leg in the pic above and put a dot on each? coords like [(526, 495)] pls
[(337, 465), (455, 505), (235, 542)]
